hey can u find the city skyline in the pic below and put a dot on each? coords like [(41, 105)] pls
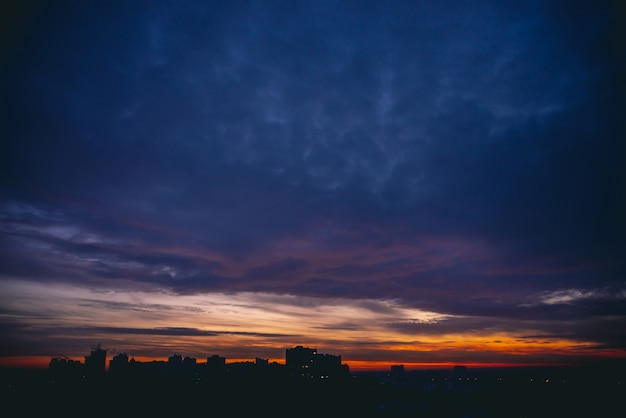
[(310, 381), (401, 182), (298, 357)]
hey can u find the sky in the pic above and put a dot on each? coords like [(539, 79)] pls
[(395, 182)]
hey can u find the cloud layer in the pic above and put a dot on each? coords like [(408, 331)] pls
[(459, 160)]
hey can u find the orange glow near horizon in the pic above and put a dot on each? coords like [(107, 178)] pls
[(25, 362), (42, 362), (367, 333)]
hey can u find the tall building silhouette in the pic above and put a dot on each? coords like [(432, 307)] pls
[(308, 363), (300, 360), (95, 363)]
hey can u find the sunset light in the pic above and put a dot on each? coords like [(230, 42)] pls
[(417, 183)]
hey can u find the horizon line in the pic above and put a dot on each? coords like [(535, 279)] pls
[(43, 362)]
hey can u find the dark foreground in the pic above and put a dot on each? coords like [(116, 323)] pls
[(520, 392)]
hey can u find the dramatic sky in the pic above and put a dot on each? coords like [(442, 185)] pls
[(394, 182)]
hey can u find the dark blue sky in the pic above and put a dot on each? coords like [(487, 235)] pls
[(463, 158)]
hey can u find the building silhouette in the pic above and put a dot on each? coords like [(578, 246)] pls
[(314, 383), (119, 364), (95, 363), (300, 360), (65, 370), (175, 361), (307, 363), (216, 362)]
